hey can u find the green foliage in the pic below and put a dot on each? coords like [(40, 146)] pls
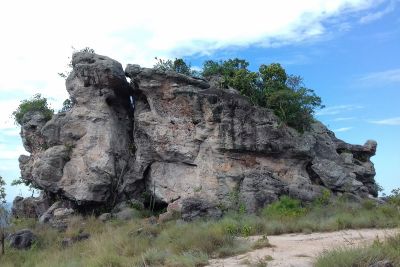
[(36, 103), (235, 203), (67, 105), (270, 87), (17, 182), (234, 73), (294, 107), (2, 190), (4, 215), (323, 200), (176, 243), (285, 207), (394, 197), (178, 65)]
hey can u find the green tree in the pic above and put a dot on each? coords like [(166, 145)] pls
[(4, 214), (178, 65), (270, 87), (67, 105), (36, 103), (234, 73)]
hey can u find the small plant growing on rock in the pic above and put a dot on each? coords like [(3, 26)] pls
[(177, 65), (36, 103), (66, 73), (323, 200)]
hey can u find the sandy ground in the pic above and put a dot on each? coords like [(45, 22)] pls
[(300, 250)]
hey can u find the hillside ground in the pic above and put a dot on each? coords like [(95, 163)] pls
[(144, 242)]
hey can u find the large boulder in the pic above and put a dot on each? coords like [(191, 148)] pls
[(179, 142), (196, 141), (22, 239), (88, 147), (30, 207)]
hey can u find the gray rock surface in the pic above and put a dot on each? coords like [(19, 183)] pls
[(192, 147), (22, 239), (58, 214), (197, 142), (384, 263), (88, 146), (29, 207)]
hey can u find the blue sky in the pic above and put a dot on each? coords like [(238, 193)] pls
[(346, 50)]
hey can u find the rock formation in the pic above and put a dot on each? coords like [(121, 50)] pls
[(191, 147)]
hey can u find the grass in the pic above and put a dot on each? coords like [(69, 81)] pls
[(388, 250), (177, 243)]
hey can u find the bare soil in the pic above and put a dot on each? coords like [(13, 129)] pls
[(300, 250)]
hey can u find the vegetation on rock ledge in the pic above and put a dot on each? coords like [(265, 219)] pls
[(270, 87), (36, 103)]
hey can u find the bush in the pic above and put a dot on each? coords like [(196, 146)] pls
[(178, 65), (36, 103), (270, 87), (283, 208), (394, 197)]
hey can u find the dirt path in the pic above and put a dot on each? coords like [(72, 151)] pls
[(300, 250)]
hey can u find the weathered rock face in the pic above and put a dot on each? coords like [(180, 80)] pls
[(23, 239), (88, 147), (194, 141), (29, 207), (190, 145)]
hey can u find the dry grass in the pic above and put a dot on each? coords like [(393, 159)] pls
[(176, 243), (388, 250)]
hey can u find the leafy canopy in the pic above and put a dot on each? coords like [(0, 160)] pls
[(67, 105), (36, 103), (270, 87), (178, 65)]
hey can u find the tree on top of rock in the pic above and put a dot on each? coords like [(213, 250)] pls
[(270, 87), (178, 65)]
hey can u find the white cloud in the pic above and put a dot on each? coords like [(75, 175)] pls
[(8, 153), (7, 107), (344, 129), (381, 77), (334, 110), (37, 39), (36, 36), (379, 14), (390, 121)]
